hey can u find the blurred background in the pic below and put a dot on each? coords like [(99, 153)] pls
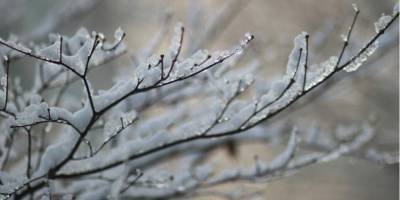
[(371, 92)]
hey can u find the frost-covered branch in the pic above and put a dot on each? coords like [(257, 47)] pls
[(274, 111), (114, 141)]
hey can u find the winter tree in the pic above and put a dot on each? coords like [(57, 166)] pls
[(174, 107)]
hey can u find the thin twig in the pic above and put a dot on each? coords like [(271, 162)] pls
[(130, 183), (231, 132), (306, 62), (175, 59), (7, 71), (347, 39)]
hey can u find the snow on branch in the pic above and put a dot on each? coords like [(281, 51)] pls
[(170, 106)]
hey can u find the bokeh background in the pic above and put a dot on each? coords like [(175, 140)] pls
[(371, 92)]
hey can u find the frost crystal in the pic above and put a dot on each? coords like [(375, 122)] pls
[(355, 7), (118, 36), (243, 43), (176, 40), (128, 118), (344, 37), (119, 33), (78, 60), (51, 52), (321, 72), (382, 22), (243, 115), (357, 62), (110, 128), (121, 88), (55, 153), (187, 66), (329, 65), (10, 182), (114, 125), (293, 60)]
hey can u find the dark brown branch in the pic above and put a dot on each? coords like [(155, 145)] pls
[(162, 65), (160, 84), (89, 144), (84, 76), (224, 109), (29, 153), (7, 74), (48, 83), (29, 160), (232, 132), (130, 183), (134, 91), (306, 62), (347, 39), (119, 42), (93, 153), (47, 120), (287, 87), (61, 49), (89, 95), (25, 192), (38, 57), (175, 59), (95, 43)]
